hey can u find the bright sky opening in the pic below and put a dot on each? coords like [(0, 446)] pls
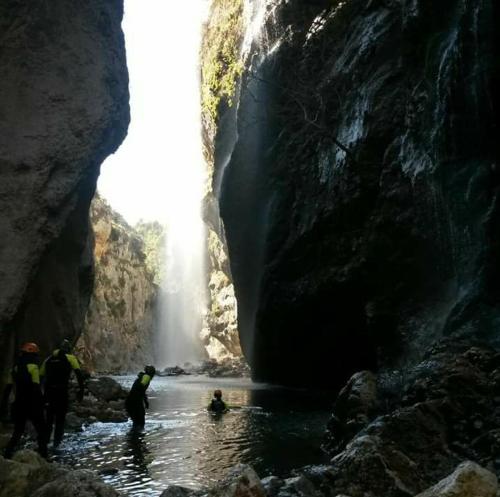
[(151, 171)]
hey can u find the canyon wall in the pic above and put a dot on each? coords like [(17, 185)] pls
[(359, 179), (222, 34), (120, 321), (220, 332), (64, 108)]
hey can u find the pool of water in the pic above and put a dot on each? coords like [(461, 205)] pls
[(273, 429)]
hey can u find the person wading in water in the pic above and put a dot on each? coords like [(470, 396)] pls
[(137, 402), (217, 405), (28, 402), (56, 371)]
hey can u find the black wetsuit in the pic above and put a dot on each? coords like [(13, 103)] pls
[(137, 400), (57, 371), (28, 403), (217, 405)]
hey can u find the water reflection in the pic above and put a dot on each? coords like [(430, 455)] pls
[(272, 429), (137, 453)]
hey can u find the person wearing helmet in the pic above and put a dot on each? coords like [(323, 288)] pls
[(217, 405), (56, 371), (28, 402), (137, 402)]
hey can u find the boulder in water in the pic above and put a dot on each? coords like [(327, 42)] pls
[(177, 491), (108, 415), (272, 485), (356, 405), (105, 402), (73, 422), (106, 388), (29, 475), (227, 368), (241, 481), (299, 486), (79, 483), (173, 371)]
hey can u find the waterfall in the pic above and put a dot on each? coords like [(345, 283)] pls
[(183, 294)]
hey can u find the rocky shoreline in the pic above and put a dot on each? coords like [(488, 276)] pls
[(104, 402), (28, 475), (431, 430), (104, 399), (226, 368)]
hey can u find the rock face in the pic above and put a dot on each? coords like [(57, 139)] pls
[(220, 334), (359, 172), (153, 234), (120, 322), (426, 420), (64, 101), (220, 69)]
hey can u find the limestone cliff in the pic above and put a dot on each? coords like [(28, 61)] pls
[(153, 234), (359, 178), (220, 333), (64, 108), (119, 326), (220, 70)]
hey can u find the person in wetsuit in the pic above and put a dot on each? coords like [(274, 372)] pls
[(28, 401), (137, 402), (56, 372), (217, 405)]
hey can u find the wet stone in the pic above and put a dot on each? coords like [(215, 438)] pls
[(73, 422), (272, 485), (107, 389), (468, 480), (79, 483), (177, 491)]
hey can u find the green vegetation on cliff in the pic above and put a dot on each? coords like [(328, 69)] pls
[(221, 61), (153, 235)]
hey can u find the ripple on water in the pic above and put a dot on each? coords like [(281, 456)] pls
[(272, 429)]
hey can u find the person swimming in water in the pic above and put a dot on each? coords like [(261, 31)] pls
[(217, 405)]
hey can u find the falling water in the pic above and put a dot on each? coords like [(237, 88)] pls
[(184, 299)]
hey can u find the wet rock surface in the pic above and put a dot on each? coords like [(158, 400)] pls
[(105, 388), (356, 405), (360, 185), (104, 401), (241, 481), (228, 368), (220, 334), (28, 475), (177, 491), (225, 368), (444, 412)]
